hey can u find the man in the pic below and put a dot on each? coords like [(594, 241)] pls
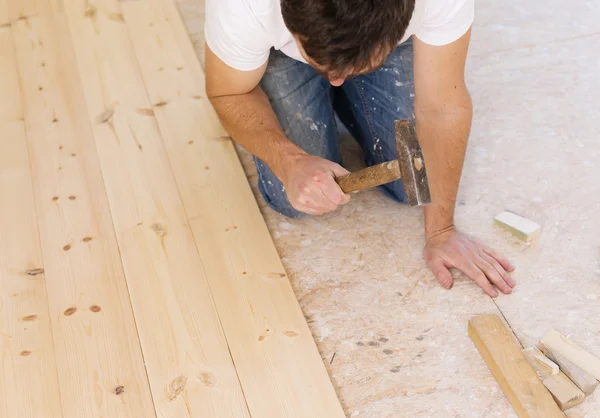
[(278, 70)]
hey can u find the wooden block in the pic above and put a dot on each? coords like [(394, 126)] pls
[(560, 344), (522, 228), (564, 392), (518, 381), (584, 381), (539, 361)]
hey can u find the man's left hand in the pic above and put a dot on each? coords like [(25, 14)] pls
[(452, 249)]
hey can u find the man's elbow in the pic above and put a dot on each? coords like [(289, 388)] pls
[(455, 102), (212, 91)]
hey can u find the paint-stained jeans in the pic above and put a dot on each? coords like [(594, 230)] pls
[(305, 102)]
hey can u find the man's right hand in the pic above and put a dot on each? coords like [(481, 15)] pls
[(246, 113), (310, 185)]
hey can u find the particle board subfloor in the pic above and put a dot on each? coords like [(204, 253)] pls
[(394, 342)]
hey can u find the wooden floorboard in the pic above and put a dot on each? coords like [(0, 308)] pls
[(14, 10), (159, 292), (100, 366), (519, 382), (276, 358), (28, 377), (189, 366)]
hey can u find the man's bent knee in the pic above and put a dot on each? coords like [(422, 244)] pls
[(273, 191)]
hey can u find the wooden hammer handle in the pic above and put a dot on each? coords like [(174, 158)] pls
[(376, 175)]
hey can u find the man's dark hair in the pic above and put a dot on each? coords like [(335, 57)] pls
[(347, 36)]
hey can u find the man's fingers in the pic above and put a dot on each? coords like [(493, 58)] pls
[(326, 182), (308, 205), (338, 170), (313, 196), (442, 274), (308, 210), (321, 199), (333, 191), (502, 260), (492, 273), (478, 276), (499, 268)]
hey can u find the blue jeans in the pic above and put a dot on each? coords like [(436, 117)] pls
[(367, 105)]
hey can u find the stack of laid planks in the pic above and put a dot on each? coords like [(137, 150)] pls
[(137, 276)]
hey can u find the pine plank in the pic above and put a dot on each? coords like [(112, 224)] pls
[(584, 381), (277, 360), (13, 10), (540, 363), (564, 392), (182, 340), (516, 378), (562, 345), (28, 381), (101, 369)]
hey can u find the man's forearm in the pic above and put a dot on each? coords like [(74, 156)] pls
[(250, 120), (443, 136)]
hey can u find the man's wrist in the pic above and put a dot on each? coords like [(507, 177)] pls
[(286, 157), (438, 220), (441, 231)]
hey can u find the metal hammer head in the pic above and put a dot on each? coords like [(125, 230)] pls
[(412, 164)]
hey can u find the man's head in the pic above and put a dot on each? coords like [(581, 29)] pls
[(341, 38)]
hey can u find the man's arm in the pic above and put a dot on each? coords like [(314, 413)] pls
[(443, 111), (246, 114)]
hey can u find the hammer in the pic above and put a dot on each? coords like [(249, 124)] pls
[(409, 166)]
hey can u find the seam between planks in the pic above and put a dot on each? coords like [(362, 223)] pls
[(187, 217), (187, 225), (113, 229), (35, 211), (185, 211), (144, 386), (112, 224), (9, 27), (507, 323), (266, 230)]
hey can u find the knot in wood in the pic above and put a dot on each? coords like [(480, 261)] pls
[(70, 311), (159, 230), (208, 379), (35, 272), (176, 387)]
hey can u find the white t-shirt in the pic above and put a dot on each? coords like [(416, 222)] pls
[(242, 32)]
